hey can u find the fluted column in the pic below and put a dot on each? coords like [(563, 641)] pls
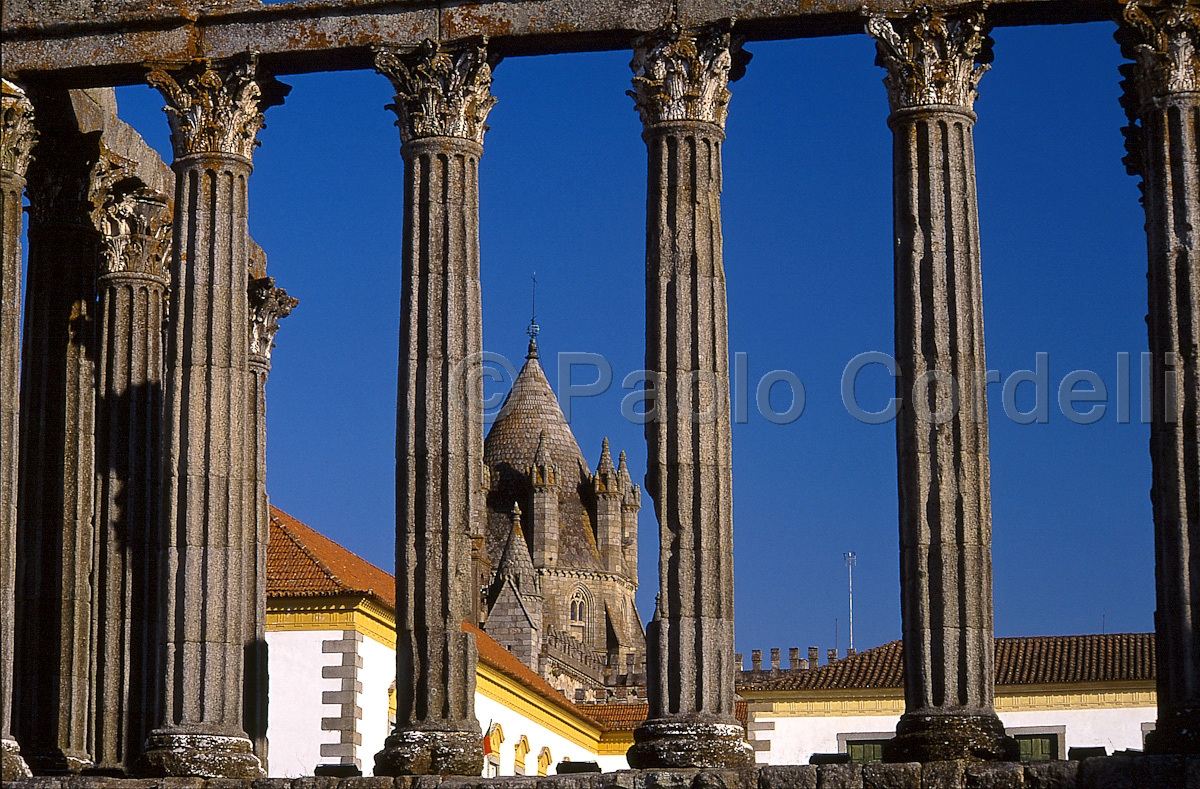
[(934, 64), (680, 89), (268, 306), (1162, 98), (442, 100), (216, 111), (17, 138), (135, 223), (52, 649)]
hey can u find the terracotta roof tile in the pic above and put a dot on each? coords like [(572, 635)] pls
[(1030, 660), (627, 716), (304, 563)]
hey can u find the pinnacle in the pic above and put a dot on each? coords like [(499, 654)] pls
[(605, 466)]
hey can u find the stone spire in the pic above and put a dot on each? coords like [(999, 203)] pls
[(934, 62), (442, 98), (516, 564), (681, 92), (605, 479), (216, 110), (1162, 100), (609, 523), (17, 138)]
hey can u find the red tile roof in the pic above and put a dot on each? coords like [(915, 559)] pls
[(626, 716), (303, 563), (1030, 660)]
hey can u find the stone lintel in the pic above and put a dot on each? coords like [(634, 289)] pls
[(82, 45)]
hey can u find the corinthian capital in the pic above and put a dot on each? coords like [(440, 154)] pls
[(268, 306), (1161, 36), (684, 75), (135, 227), (17, 135), (933, 58), (216, 107), (440, 92)]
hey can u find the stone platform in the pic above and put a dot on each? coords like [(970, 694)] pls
[(1113, 772)]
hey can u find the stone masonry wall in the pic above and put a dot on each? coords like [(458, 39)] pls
[(1135, 771)]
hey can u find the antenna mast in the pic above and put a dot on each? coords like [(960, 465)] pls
[(850, 560)]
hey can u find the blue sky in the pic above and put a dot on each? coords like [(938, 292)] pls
[(807, 226)]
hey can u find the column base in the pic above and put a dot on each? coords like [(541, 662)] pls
[(12, 766), (416, 752), (1176, 732), (935, 738), (173, 754), (671, 742)]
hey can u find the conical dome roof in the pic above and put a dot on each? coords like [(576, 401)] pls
[(531, 415), (530, 411)]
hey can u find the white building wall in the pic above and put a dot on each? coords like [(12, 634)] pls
[(515, 725), (795, 740), (294, 708), (376, 675)]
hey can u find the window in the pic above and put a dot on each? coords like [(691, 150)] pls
[(544, 759), (491, 751), (578, 607), (1040, 743), (579, 610), (864, 747), (520, 750), (1037, 747), (865, 751)]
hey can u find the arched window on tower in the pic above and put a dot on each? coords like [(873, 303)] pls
[(579, 613)]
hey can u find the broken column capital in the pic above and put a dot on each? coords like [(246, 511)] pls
[(683, 74), (17, 133), (440, 91), (135, 227), (934, 59), (268, 306), (215, 107)]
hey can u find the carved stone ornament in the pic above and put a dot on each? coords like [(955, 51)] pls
[(932, 58), (215, 107), (683, 75), (135, 226), (17, 134), (439, 93), (1164, 41), (268, 306)]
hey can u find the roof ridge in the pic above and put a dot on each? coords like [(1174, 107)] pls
[(300, 544)]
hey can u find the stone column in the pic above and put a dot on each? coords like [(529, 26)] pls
[(135, 222), (680, 89), (442, 100), (1162, 98), (17, 138), (52, 649), (216, 111), (934, 64), (268, 306)]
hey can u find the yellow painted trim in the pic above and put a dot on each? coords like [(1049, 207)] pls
[(511, 694), (615, 743), (352, 612), (890, 701)]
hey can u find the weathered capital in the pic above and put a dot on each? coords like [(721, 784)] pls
[(17, 135), (1161, 35), (440, 92), (933, 58), (268, 306), (683, 75), (215, 107), (135, 225)]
